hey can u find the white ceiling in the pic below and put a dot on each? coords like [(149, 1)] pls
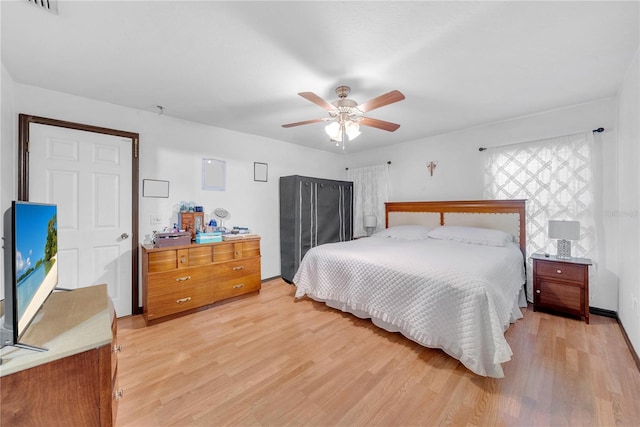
[(239, 65)]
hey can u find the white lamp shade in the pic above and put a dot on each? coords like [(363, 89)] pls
[(353, 130), (370, 221), (565, 230), (333, 130)]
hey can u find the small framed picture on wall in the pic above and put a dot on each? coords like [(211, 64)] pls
[(260, 171)]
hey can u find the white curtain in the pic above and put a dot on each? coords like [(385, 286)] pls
[(370, 192), (555, 175)]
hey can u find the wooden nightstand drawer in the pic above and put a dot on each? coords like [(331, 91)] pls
[(559, 270)]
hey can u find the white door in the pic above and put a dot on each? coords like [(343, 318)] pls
[(88, 175)]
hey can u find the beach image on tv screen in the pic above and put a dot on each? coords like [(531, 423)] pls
[(36, 245)]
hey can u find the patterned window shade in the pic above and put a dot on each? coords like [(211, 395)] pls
[(555, 175), (370, 192)]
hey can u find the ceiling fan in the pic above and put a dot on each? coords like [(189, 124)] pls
[(346, 115)]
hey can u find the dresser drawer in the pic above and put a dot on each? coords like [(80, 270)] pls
[(560, 271), (201, 255), (237, 286), (178, 291), (235, 269), (251, 248), (162, 261), (223, 252)]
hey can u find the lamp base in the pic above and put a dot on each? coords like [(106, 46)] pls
[(564, 249)]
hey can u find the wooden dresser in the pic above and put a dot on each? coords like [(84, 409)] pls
[(181, 279), (74, 382), (561, 285)]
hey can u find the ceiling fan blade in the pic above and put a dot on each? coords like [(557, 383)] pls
[(317, 100), (380, 124), (306, 122), (381, 101)]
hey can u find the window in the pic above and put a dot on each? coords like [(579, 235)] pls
[(555, 175)]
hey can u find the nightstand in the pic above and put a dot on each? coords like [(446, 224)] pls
[(561, 285)]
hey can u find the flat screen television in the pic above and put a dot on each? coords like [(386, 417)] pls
[(31, 265)]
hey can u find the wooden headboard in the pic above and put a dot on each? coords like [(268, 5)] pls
[(505, 215)]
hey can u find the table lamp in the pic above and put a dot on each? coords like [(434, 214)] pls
[(564, 231), (370, 222)]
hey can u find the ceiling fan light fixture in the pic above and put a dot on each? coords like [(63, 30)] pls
[(333, 130), (346, 115), (353, 130)]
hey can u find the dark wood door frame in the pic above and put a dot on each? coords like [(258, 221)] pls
[(25, 120)]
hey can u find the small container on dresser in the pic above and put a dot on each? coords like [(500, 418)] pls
[(561, 285), (191, 222)]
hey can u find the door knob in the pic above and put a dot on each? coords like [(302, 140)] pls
[(124, 236)]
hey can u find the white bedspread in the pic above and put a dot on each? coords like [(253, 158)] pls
[(458, 297)]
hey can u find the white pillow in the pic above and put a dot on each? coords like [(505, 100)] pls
[(473, 235), (404, 232)]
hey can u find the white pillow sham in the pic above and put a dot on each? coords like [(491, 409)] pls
[(473, 235), (404, 232)]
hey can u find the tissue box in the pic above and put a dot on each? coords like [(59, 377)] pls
[(212, 237), (163, 240)]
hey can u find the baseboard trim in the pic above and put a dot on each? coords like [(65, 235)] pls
[(626, 338), (614, 315), (602, 312)]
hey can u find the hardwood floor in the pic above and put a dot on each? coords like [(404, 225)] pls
[(269, 360)]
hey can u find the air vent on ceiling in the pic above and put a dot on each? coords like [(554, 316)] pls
[(48, 5)]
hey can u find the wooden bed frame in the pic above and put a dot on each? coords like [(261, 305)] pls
[(505, 215)]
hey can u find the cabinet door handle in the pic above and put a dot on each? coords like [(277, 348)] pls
[(538, 291), (118, 394), (117, 348), (559, 271), (241, 285), (238, 268), (183, 279), (183, 300)]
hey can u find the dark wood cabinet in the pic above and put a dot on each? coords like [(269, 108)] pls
[(561, 285), (74, 382)]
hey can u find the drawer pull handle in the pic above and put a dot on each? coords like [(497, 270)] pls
[(183, 300), (241, 285), (183, 260), (117, 348), (538, 291), (118, 394), (559, 271), (238, 268), (183, 279)]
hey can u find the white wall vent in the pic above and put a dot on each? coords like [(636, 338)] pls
[(48, 5)]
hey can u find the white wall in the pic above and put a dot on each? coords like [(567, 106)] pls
[(8, 159), (172, 149), (459, 174), (628, 203)]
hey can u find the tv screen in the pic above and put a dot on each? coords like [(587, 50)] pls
[(33, 263)]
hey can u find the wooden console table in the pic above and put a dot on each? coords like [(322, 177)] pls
[(74, 382)]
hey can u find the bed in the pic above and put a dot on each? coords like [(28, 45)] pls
[(447, 275)]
